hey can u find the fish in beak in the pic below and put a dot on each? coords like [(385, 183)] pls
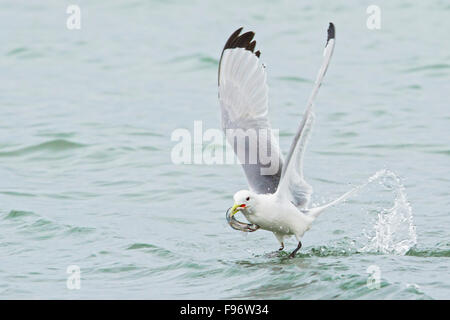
[(237, 225), (236, 208)]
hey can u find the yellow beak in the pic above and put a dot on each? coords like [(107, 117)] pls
[(234, 209)]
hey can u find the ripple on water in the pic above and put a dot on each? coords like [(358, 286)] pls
[(56, 145), (135, 246), (438, 66), (23, 53), (295, 79), (434, 252), (195, 61), (17, 51), (14, 214), (37, 227), (150, 248)]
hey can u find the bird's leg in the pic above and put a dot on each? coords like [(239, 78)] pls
[(292, 255), (280, 239)]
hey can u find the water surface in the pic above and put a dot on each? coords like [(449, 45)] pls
[(86, 176)]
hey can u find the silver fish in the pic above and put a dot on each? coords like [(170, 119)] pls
[(241, 226)]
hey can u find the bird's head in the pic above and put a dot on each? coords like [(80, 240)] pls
[(243, 200)]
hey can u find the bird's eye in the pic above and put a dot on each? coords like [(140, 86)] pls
[(248, 198)]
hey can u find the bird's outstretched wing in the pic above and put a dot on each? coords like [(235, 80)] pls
[(243, 96), (292, 185)]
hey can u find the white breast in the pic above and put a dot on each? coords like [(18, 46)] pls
[(282, 218)]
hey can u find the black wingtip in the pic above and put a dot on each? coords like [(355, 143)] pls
[(331, 32), (238, 40)]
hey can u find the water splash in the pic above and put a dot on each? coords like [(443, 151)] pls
[(394, 231)]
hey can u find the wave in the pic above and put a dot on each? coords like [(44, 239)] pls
[(52, 145), (295, 79), (39, 227), (429, 67), (14, 214), (436, 251)]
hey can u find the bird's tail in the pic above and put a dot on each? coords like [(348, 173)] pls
[(316, 211)]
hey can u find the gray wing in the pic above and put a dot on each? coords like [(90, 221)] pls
[(292, 184), (243, 96)]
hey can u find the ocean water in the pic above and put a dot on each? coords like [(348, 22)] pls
[(87, 179)]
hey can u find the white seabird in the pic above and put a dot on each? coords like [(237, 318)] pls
[(278, 201)]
